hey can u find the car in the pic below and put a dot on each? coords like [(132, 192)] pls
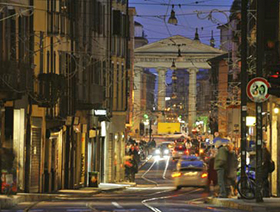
[(169, 144), (190, 171), (162, 150), (179, 151)]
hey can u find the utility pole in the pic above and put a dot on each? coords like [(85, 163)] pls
[(1, 151), (259, 106), (150, 129), (244, 80)]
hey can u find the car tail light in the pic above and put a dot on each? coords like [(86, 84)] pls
[(187, 151), (176, 174), (204, 175)]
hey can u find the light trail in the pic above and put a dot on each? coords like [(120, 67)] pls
[(144, 178), (166, 166)]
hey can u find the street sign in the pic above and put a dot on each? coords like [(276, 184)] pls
[(257, 89)]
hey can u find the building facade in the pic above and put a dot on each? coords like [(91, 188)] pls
[(63, 116)]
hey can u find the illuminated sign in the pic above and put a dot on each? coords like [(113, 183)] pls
[(100, 112)]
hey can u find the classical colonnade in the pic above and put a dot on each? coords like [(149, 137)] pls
[(161, 93)]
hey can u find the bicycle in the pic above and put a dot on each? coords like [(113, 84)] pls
[(249, 190)]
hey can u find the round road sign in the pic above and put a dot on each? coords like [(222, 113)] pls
[(257, 89)]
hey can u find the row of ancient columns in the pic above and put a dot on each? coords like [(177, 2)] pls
[(162, 94)]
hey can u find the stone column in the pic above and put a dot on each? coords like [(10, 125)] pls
[(137, 100), (161, 92), (192, 98)]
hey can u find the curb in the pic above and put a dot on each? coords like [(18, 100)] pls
[(11, 201), (227, 203)]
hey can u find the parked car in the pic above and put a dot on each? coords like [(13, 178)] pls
[(190, 171)]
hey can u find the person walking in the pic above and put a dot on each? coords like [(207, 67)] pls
[(232, 164), (266, 156), (220, 165)]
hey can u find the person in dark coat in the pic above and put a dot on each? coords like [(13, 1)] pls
[(134, 168), (266, 157), (128, 168), (134, 151), (232, 164), (220, 165), (212, 173)]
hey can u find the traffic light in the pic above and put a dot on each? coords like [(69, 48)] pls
[(146, 116), (274, 81)]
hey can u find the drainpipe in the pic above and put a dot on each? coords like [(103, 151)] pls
[(1, 118), (27, 148)]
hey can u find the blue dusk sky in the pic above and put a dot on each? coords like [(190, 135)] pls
[(154, 14)]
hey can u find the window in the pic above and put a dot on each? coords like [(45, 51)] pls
[(48, 61), (12, 35), (49, 25), (104, 20), (55, 23), (122, 81), (117, 17), (62, 24), (1, 37), (104, 77), (117, 82)]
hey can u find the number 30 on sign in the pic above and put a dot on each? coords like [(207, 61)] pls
[(257, 89)]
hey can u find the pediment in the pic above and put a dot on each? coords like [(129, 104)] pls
[(169, 46)]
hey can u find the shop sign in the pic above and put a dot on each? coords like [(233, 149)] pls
[(100, 112)]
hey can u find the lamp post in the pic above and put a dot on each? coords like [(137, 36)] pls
[(243, 89), (259, 106)]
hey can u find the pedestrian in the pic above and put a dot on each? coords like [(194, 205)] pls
[(134, 151), (128, 168), (212, 173), (232, 164), (220, 165), (266, 169), (134, 168), (153, 143)]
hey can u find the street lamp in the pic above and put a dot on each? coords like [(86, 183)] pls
[(276, 110), (172, 19), (173, 66)]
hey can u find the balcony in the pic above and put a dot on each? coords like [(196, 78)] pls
[(15, 80), (51, 88), (94, 98)]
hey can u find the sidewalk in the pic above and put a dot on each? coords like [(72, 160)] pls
[(12, 200), (268, 205)]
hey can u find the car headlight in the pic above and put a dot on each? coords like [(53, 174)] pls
[(166, 151), (157, 151)]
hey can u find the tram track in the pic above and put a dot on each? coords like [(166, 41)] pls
[(151, 166), (147, 202)]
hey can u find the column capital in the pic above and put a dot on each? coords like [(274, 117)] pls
[(138, 68), (160, 69), (192, 70)]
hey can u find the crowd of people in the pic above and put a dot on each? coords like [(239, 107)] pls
[(135, 152), (222, 163), (223, 166)]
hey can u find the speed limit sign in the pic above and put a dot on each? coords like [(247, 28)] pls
[(257, 89)]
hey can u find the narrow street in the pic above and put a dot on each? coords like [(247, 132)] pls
[(154, 192)]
